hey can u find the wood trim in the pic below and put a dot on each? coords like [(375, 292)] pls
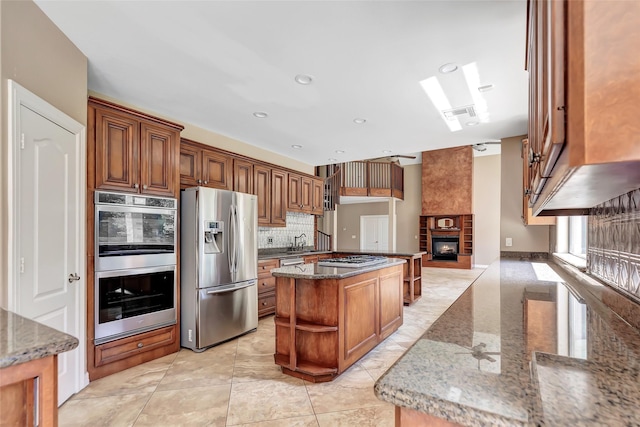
[(406, 417), (46, 369), (245, 158), (101, 103)]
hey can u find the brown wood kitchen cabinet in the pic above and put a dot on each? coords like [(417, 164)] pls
[(583, 127), (267, 287), (305, 194), (133, 152), (317, 205), (527, 214), (201, 166), (270, 185), (242, 176)]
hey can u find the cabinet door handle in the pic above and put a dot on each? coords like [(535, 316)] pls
[(145, 186), (206, 182), (140, 345), (73, 277), (135, 185), (264, 303), (199, 181)]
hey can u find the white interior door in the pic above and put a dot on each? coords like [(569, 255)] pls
[(49, 218), (374, 232)]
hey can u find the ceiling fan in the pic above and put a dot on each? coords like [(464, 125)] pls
[(394, 158), (478, 352), (482, 146)]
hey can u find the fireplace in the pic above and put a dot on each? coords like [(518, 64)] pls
[(445, 248)]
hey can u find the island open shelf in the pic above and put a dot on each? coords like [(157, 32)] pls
[(329, 317)]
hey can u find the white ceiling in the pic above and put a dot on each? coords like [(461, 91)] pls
[(214, 63)]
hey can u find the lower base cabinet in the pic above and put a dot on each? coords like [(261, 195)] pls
[(115, 356), (324, 326), (267, 287)]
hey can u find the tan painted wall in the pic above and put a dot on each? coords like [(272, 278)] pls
[(407, 215), (408, 210), (533, 238), (38, 56), (204, 136), (349, 222), (486, 209)]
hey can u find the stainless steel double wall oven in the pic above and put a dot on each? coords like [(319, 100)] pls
[(135, 264)]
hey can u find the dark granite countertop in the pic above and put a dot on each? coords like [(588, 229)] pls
[(316, 272), (525, 344), (283, 253), (384, 253), (23, 340)]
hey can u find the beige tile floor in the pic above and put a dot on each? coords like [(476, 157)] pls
[(237, 383)]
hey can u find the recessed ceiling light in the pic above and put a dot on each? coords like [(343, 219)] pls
[(359, 121), (472, 123), (260, 114), (448, 68), (332, 159), (339, 151), (304, 79), (485, 88), (296, 146), (386, 151)]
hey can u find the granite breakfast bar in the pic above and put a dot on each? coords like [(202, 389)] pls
[(526, 344), (329, 317), (29, 350)]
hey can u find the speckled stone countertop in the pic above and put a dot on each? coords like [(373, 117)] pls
[(525, 344), (384, 253), (316, 272), (22, 340), (283, 253)]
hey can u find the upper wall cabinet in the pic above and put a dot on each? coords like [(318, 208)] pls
[(242, 176), (133, 152), (584, 136), (305, 194), (200, 166)]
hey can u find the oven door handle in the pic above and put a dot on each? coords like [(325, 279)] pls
[(233, 288)]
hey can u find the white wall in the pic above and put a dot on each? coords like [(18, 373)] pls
[(486, 209), (38, 56), (533, 238)]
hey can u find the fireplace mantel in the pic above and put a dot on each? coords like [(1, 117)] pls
[(460, 226)]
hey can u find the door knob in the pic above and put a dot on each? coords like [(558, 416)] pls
[(73, 278)]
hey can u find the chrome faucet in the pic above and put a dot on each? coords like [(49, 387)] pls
[(295, 240)]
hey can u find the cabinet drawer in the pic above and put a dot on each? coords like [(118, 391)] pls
[(267, 284), (127, 347), (266, 304), (265, 267)]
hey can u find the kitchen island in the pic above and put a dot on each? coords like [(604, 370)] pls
[(29, 351), (526, 344), (329, 317)]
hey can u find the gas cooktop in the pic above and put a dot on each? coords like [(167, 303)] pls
[(352, 261)]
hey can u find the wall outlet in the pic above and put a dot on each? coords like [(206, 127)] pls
[(508, 241), (190, 335), (353, 236), (269, 240)]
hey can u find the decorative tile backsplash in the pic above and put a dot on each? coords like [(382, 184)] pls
[(282, 237), (613, 253)]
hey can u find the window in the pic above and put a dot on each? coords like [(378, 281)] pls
[(571, 240), (578, 236)]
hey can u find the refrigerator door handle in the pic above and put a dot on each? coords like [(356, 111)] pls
[(233, 288), (232, 242), (237, 245)]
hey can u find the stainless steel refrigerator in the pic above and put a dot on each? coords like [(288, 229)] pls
[(218, 266)]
